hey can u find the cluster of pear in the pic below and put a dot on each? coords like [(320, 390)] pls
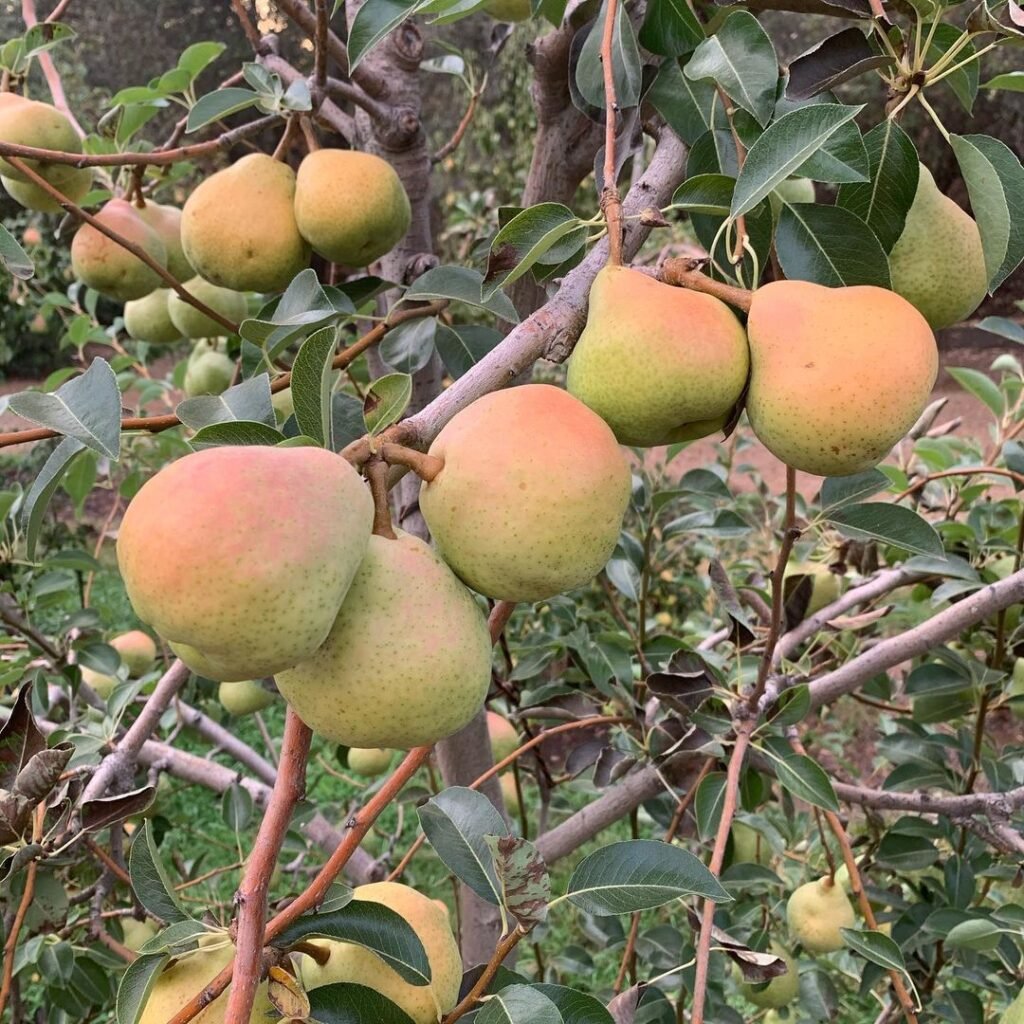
[(375, 642), (138, 655)]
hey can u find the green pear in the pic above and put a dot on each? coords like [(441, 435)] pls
[(816, 912), (425, 1004), (369, 761), (781, 990), (792, 190), (938, 264), (107, 266), (406, 663), (137, 933), (166, 222), (210, 374), (350, 206), (824, 584), (192, 323), (1014, 1013), (31, 123), (137, 650), (148, 319), (100, 683), (658, 364), (779, 1016), (283, 403), (238, 227), (532, 494), (749, 846), (245, 697), (1016, 688), (837, 375), (32, 197)]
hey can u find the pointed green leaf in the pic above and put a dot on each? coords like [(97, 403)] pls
[(215, 105), (312, 378), (518, 1004), (249, 400), (17, 262), (345, 1003), (136, 985), (829, 245), (149, 878), (891, 524), (43, 488), (385, 401)]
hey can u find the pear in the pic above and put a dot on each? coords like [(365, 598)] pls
[(137, 933), (749, 846), (253, 585), (406, 663), (101, 683), (824, 584), (283, 403), (816, 912), (188, 975), (780, 990), (1016, 688), (838, 375), (245, 697), (509, 794), (509, 10), (503, 735), (166, 222), (148, 318), (938, 264), (792, 190), (105, 265), (76, 186), (192, 323), (210, 374), (425, 1004), (30, 123), (369, 761), (238, 227), (658, 364), (350, 206), (137, 650), (532, 494), (1014, 1013)]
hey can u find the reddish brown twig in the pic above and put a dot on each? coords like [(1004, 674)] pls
[(498, 619), (252, 33), (684, 803), (958, 471), (627, 954), (611, 201), (19, 917), (472, 997), (684, 272), (49, 69), (251, 898), (463, 126), (107, 861), (57, 12)]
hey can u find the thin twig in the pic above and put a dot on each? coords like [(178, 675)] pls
[(463, 126), (611, 201), (472, 997), (252, 33), (19, 917), (320, 45)]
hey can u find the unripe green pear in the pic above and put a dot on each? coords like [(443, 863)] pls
[(137, 933), (792, 190), (509, 794), (210, 374), (837, 375), (938, 263), (245, 697), (166, 222), (658, 364), (148, 318), (816, 912), (370, 761), (749, 846), (1016, 688), (253, 584), (504, 738), (509, 10), (531, 497), (193, 323), (350, 206), (31, 123), (188, 975), (406, 663), (108, 267), (137, 650), (100, 683), (781, 990), (32, 197), (283, 403), (238, 227), (824, 584), (1014, 1013), (425, 1004), (779, 1016)]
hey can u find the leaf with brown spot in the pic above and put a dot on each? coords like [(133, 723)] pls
[(523, 875), (19, 738), (755, 966)]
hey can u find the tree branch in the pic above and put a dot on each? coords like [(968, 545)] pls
[(49, 69), (611, 202)]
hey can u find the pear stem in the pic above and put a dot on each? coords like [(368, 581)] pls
[(611, 202), (424, 465), (684, 272), (376, 471)]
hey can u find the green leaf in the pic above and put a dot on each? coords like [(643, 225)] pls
[(876, 947), (195, 58), (385, 401), (707, 804), (1011, 81), (175, 938), (740, 57), (236, 807), (685, 104), (981, 386), (303, 307), (456, 822), (1004, 327), (462, 346), (87, 408), (373, 21), (149, 879), (806, 779), (518, 1004), (372, 926), (249, 400), (670, 28), (409, 347), (136, 986), (637, 875), (312, 378), (575, 1007), (978, 933), (784, 146), (460, 284), (843, 158), (705, 193), (995, 181), (13, 258), (883, 202), (215, 105), (43, 488), (627, 67), (829, 245), (345, 1003), (834, 60), (236, 432), (891, 524), (793, 705), (841, 490)]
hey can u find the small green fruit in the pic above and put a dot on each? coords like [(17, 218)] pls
[(192, 323), (749, 846), (137, 650), (816, 912), (102, 684), (210, 374), (781, 990), (32, 197), (244, 698), (369, 761), (148, 319)]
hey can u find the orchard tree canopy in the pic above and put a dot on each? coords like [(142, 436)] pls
[(499, 520)]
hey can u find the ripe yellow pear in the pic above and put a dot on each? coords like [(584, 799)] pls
[(209, 374), (824, 584), (509, 10), (241, 556), (425, 1004), (137, 650), (781, 990), (816, 912), (370, 761), (245, 697), (749, 846), (32, 197), (148, 318), (406, 663), (238, 227), (350, 206), (192, 323), (187, 976), (102, 684), (837, 375), (938, 264), (137, 933), (166, 222), (108, 267), (531, 497), (504, 738), (658, 364), (31, 123)]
